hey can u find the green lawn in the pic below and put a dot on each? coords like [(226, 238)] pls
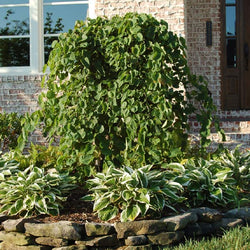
[(235, 239)]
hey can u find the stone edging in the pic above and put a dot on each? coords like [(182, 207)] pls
[(27, 234)]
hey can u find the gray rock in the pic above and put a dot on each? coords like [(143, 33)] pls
[(16, 238), (198, 229), (166, 238), (179, 222), (3, 217), (206, 214), (226, 223), (11, 225), (97, 229), (63, 229), (136, 240), (10, 246), (104, 241), (241, 213), (145, 247), (54, 242), (132, 228), (73, 247), (193, 230), (206, 228)]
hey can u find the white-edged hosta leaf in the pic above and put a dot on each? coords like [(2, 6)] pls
[(87, 198), (217, 193), (2, 177), (130, 213), (143, 207), (144, 198), (101, 203), (128, 195), (19, 205), (108, 213), (176, 167)]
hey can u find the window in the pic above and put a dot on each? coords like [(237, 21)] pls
[(231, 39), (28, 28)]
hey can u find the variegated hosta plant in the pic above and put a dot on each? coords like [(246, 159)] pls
[(133, 192), (32, 191), (208, 182)]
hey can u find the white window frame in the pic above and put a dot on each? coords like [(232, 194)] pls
[(37, 36)]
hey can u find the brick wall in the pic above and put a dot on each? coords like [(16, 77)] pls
[(171, 11), (19, 93)]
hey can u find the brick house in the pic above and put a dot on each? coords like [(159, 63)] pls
[(217, 34)]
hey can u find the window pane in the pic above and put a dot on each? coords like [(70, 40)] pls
[(230, 20), (47, 47), (61, 18), (13, 1), (14, 21), (230, 1), (231, 52), (14, 52)]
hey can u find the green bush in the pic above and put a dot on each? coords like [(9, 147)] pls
[(32, 191), (10, 129), (120, 90), (38, 155), (132, 192)]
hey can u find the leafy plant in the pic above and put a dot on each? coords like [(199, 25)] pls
[(208, 182), (33, 191), (10, 129), (239, 163), (7, 168), (38, 155), (132, 192), (120, 90)]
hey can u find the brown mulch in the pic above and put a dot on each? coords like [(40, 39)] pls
[(73, 210)]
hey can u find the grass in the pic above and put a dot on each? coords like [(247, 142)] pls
[(234, 239)]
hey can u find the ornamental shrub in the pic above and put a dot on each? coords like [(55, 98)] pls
[(120, 90)]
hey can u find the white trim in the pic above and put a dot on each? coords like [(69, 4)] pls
[(36, 38), (92, 13)]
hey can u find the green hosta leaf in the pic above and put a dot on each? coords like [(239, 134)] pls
[(142, 179), (143, 207), (217, 194), (222, 175), (19, 205), (176, 167), (108, 213), (130, 213), (2, 177), (101, 203), (169, 194), (128, 195), (88, 198), (144, 198)]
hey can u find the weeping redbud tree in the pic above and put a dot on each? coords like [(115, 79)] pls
[(120, 90)]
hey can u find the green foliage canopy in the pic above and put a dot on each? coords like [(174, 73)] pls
[(121, 90)]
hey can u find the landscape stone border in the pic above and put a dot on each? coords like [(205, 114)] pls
[(28, 234)]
